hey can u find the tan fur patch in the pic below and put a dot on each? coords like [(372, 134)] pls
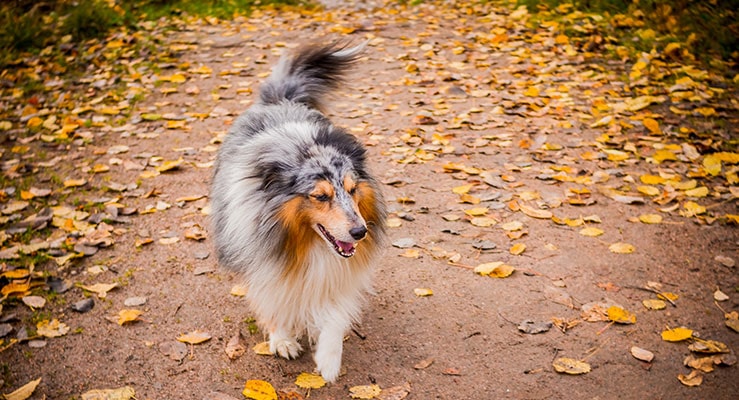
[(299, 236)]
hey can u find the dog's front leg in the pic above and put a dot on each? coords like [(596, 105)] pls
[(329, 348)]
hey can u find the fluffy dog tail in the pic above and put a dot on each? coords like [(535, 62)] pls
[(310, 74)]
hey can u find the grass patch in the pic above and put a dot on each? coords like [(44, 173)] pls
[(27, 27), (704, 30)]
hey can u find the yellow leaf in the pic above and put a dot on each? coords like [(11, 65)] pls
[(101, 289), (532, 91), (169, 165), (684, 185), (423, 292), (99, 168), (517, 249), (23, 392), (149, 174), (512, 226), (501, 271), (667, 296), (476, 212), (570, 366), (676, 334), (123, 393), (621, 248), (194, 337), (487, 268), (125, 316), (364, 392), (51, 329), (654, 304), (648, 190), (411, 253), (74, 183), (652, 125), (394, 222), (602, 122), (691, 209), (664, 155), (697, 192), (591, 231), (259, 390), (262, 348), (650, 218), (620, 316), (535, 212), (483, 222), (176, 124), (310, 381), (177, 78), (463, 189), (712, 164), (652, 179), (469, 199)]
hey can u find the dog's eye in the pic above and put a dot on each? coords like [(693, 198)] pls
[(353, 191), (322, 197)]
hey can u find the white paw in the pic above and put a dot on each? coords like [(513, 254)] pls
[(328, 363), (284, 347)]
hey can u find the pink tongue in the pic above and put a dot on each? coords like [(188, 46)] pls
[(345, 247)]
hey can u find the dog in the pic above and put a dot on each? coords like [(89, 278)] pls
[(295, 209)]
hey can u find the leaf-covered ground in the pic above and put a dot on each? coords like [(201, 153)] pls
[(554, 212)]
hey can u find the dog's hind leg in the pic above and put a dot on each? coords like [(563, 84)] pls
[(282, 344), (329, 347)]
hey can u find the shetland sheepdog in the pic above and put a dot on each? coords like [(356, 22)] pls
[(296, 211)]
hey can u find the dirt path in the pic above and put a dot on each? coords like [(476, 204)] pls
[(446, 97)]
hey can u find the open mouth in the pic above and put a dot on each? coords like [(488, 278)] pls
[(344, 249)]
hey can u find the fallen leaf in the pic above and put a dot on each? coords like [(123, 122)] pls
[(235, 348), (364, 392), (621, 248), (195, 337), (677, 334), (423, 292), (642, 354), (535, 212), (532, 327), (517, 249), (101, 289), (23, 392), (620, 316), (34, 301), (169, 165), (650, 218), (654, 304), (259, 390), (591, 231), (423, 364), (718, 295), (126, 316), (262, 348), (708, 346), (310, 381), (51, 329), (570, 366), (694, 378)]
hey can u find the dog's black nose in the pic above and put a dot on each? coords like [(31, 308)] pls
[(358, 232)]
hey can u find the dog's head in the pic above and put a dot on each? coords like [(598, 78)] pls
[(334, 198)]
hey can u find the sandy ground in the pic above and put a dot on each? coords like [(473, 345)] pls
[(462, 342)]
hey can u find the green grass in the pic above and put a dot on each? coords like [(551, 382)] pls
[(708, 29), (28, 26)]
